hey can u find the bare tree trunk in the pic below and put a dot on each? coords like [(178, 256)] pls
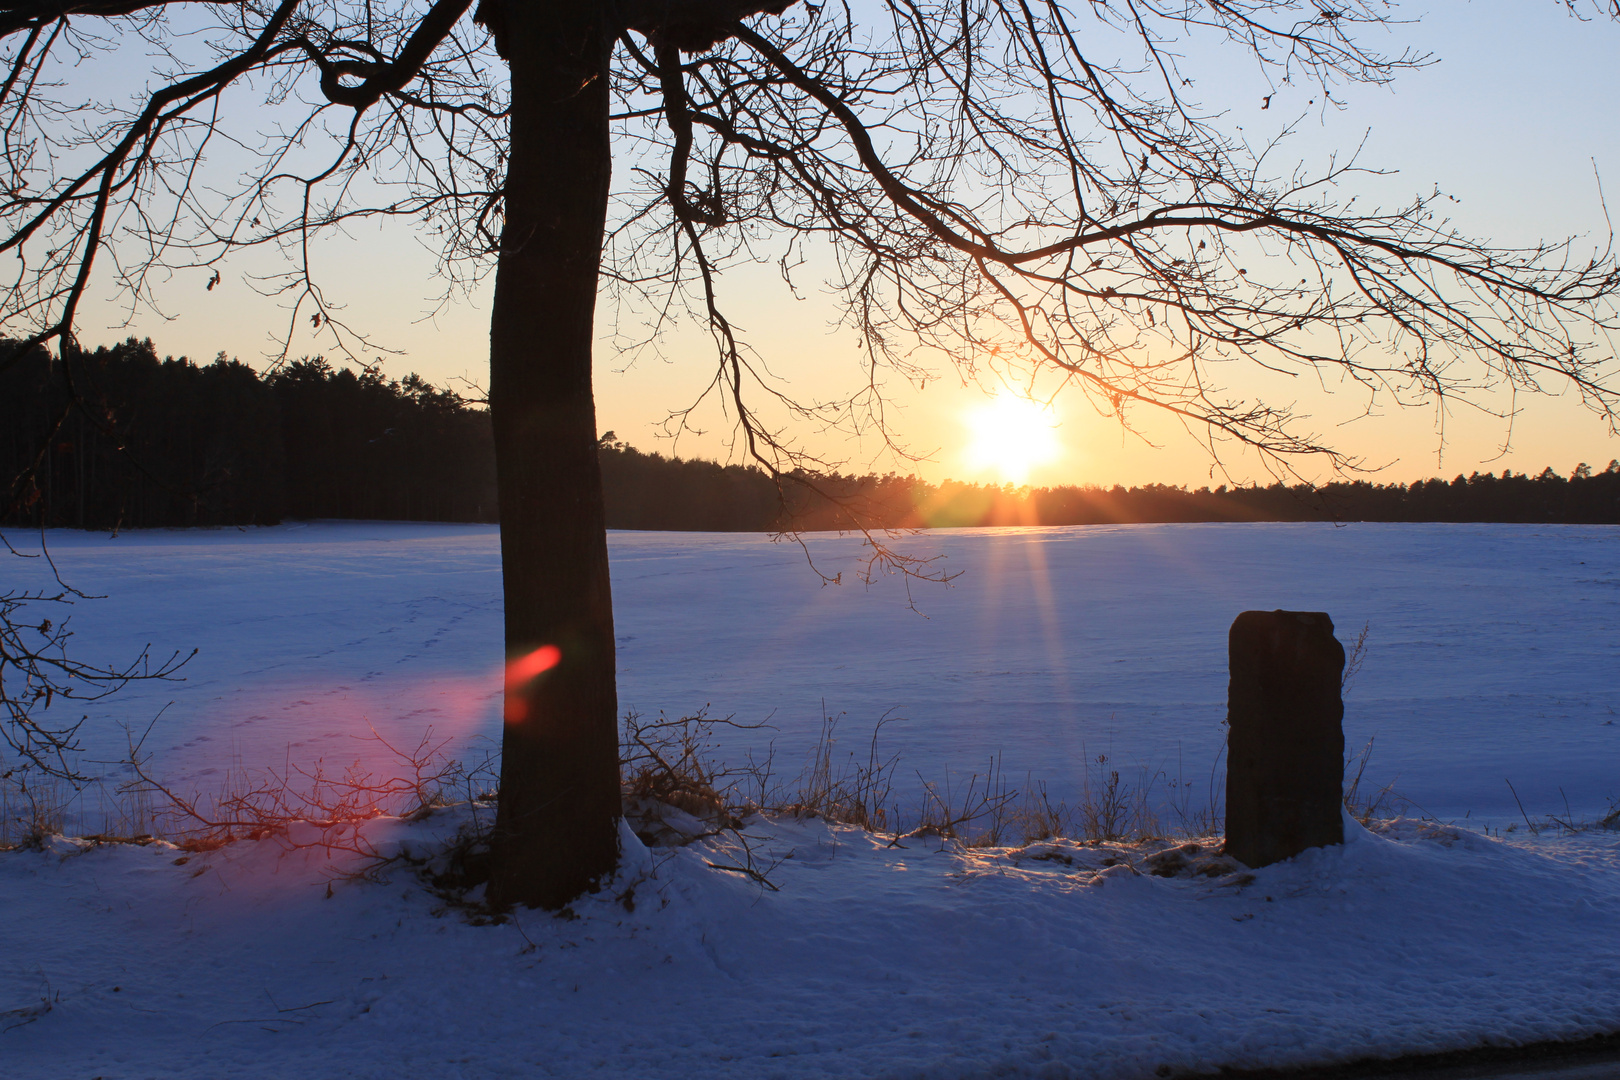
[(556, 827)]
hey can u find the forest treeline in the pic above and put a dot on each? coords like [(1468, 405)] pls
[(167, 442), (173, 443)]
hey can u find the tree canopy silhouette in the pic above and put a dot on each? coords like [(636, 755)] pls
[(1021, 183)]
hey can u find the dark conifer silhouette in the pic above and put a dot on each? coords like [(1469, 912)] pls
[(173, 443), (155, 442), (218, 444)]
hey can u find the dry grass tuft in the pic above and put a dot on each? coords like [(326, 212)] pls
[(34, 808), (31, 811), (846, 789), (1368, 805), (676, 791)]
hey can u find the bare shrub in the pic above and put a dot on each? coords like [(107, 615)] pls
[(672, 786), (673, 762), (304, 807)]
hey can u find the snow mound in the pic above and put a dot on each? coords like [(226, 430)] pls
[(843, 954)]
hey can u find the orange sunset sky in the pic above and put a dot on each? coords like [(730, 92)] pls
[(1515, 121)]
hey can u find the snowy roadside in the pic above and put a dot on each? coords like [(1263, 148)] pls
[(872, 960)]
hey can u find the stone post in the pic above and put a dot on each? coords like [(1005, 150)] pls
[(1285, 749)]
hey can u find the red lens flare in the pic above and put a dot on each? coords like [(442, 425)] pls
[(519, 671)]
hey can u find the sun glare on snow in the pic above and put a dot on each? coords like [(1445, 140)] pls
[(1011, 436)]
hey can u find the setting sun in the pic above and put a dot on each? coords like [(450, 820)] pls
[(1011, 436)]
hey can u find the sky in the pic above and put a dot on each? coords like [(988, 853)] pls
[(1514, 121)]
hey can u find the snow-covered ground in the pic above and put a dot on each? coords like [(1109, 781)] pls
[(1492, 649), (1492, 656), (871, 961)]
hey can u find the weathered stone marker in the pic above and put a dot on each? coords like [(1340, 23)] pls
[(1285, 750)]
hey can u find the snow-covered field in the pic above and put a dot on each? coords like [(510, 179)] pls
[(1492, 650), (1492, 653)]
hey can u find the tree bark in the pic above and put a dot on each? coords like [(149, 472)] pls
[(556, 829)]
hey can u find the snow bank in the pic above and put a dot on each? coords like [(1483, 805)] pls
[(910, 960)]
